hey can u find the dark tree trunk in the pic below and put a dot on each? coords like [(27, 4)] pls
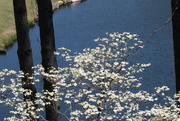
[(176, 38), (24, 48), (47, 50)]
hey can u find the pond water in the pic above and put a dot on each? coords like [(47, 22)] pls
[(76, 26)]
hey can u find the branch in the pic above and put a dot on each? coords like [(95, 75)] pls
[(150, 36)]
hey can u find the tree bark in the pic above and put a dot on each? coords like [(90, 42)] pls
[(176, 39), (24, 49), (47, 51)]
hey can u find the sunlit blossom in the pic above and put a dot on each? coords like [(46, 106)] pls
[(97, 86)]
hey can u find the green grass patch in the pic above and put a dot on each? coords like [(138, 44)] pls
[(9, 40), (6, 43), (31, 23)]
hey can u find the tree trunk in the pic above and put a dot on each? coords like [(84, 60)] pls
[(47, 50), (176, 39), (24, 48)]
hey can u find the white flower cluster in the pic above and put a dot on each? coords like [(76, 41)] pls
[(12, 92), (99, 85)]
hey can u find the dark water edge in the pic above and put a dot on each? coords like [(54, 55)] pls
[(77, 26)]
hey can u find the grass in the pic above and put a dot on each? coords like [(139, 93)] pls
[(7, 24), (7, 42), (11, 39)]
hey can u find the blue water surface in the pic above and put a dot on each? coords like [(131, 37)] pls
[(76, 26)]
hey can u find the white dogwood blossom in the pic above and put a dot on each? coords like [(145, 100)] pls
[(99, 85)]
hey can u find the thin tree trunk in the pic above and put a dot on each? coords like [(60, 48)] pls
[(24, 48), (176, 39), (47, 50)]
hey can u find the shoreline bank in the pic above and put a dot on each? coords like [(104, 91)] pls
[(8, 42)]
